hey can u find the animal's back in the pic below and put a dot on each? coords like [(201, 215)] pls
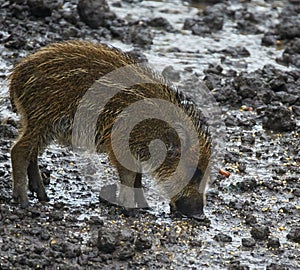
[(73, 64), (46, 87)]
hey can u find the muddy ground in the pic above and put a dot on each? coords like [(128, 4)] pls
[(248, 55)]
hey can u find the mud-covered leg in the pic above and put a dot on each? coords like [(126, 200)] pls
[(19, 159), (126, 193), (139, 196), (35, 181)]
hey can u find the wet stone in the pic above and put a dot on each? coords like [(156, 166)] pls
[(291, 55), (96, 220), (127, 235), (248, 242), (142, 243), (278, 118), (126, 253), (95, 13), (248, 138), (296, 110), (259, 232), (44, 235), (56, 216), (72, 250), (287, 98), (250, 219), (161, 23), (221, 237), (140, 35), (106, 242), (294, 235), (236, 265), (236, 52), (39, 8), (273, 243), (268, 40), (248, 184), (210, 21)]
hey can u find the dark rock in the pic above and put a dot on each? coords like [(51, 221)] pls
[(236, 265), (8, 131), (296, 110), (244, 149), (259, 232), (221, 237), (236, 52), (242, 167), (96, 220), (214, 69), (44, 235), (248, 242), (248, 138), (286, 98), (288, 28), (142, 243), (95, 13), (247, 22), (127, 235), (232, 157), (71, 250), (273, 243), (15, 41), (140, 35), (294, 235), (275, 266), (106, 242), (291, 55), (161, 23), (39, 8), (248, 184), (45, 173), (250, 220), (126, 253), (268, 40), (246, 92), (210, 21), (278, 118)]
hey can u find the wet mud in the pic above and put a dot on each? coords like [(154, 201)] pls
[(247, 55)]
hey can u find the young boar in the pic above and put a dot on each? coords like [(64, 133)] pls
[(47, 89)]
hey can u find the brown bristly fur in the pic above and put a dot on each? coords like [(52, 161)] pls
[(46, 89)]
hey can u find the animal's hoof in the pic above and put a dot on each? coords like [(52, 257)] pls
[(130, 212), (43, 199), (24, 205)]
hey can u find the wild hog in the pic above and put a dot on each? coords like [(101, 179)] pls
[(46, 89)]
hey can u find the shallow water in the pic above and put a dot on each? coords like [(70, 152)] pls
[(196, 51)]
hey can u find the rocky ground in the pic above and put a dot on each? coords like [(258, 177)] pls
[(247, 53)]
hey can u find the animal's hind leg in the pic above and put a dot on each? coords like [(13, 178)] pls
[(126, 196), (35, 180), (20, 155)]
